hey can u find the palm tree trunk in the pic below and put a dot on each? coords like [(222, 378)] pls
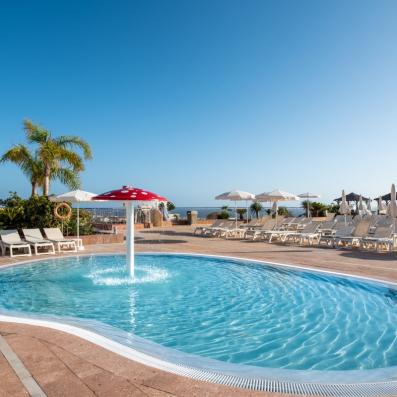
[(34, 186), (46, 187)]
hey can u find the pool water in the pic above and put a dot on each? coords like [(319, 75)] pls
[(229, 310)]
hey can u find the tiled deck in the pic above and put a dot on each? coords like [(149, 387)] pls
[(64, 365)]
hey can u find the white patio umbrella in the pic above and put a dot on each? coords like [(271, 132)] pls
[(382, 208), (75, 196), (308, 196), (392, 207), (275, 196), (344, 208), (237, 195), (362, 207)]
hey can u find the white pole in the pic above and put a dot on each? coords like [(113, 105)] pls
[(246, 210), (130, 237), (235, 211), (78, 226)]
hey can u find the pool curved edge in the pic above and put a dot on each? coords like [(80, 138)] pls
[(376, 382)]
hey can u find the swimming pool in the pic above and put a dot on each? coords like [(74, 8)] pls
[(239, 314)]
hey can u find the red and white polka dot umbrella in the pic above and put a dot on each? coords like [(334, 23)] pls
[(129, 194)]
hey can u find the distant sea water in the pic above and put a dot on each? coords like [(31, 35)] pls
[(204, 211)]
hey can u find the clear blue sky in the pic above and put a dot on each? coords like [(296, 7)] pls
[(193, 98)]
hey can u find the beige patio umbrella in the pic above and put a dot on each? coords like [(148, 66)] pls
[(75, 196), (275, 196), (382, 208), (237, 195), (344, 208), (308, 196), (392, 207), (362, 207)]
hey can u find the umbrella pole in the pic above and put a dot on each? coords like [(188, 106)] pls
[(308, 208), (246, 210), (235, 211), (78, 226), (130, 237)]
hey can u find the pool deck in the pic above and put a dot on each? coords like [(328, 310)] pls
[(65, 365)]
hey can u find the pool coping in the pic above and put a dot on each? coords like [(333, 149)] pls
[(309, 382)]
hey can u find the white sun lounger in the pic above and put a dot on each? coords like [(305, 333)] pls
[(10, 239), (382, 238), (309, 234), (55, 235), (36, 240)]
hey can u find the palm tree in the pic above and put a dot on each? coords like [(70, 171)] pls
[(59, 159), (256, 208), (30, 165)]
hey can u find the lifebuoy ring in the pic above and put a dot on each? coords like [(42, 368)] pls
[(67, 215)]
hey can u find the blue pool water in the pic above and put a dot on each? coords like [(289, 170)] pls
[(233, 311)]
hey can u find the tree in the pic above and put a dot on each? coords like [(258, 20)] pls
[(170, 206), (241, 212), (58, 157), (30, 165), (256, 208)]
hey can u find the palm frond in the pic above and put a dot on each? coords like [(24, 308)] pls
[(75, 141), (67, 177), (35, 133)]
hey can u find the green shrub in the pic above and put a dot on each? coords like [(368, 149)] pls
[(38, 212), (223, 215)]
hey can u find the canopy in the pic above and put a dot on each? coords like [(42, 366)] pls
[(382, 208), (392, 207), (385, 197), (352, 197), (344, 208), (75, 196), (308, 196), (129, 194), (276, 195), (236, 195)]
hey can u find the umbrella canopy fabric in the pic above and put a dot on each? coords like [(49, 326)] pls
[(382, 208), (385, 197), (308, 196), (75, 196), (128, 195), (344, 208), (236, 195), (392, 207), (276, 195), (351, 197)]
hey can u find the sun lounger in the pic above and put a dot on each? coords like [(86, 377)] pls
[(55, 235), (213, 230), (36, 240), (381, 239), (200, 229), (329, 239), (360, 230), (10, 239), (256, 233), (309, 234)]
